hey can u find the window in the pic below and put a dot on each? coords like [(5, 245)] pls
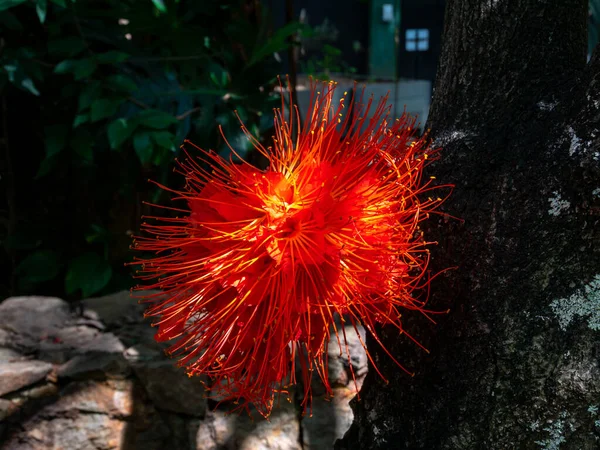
[(417, 40)]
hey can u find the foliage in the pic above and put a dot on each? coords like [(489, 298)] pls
[(320, 56), (97, 96)]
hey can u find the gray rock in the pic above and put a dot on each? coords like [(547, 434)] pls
[(328, 420), (35, 317), (5, 338), (116, 309), (169, 388), (358, 356), (17, 375), (29, 399), (98, 353), (90, 364), (102, 406), (222, 431), (65, 343), (93, 416), (103, 343), (7, 408), (9, 355), (214, 432)]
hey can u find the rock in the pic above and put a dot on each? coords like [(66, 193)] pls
[(222, 431), (9, 355), (95, 397), (339, 367), (5, 338), (92, 416), (358, 355), (103, 343), (7, 408), (90, 364), (116, 309), (329, 420), (214, 432), (118, 389), (28, 400), (19, 374), (169, 388), (35, 317), (100, 353)]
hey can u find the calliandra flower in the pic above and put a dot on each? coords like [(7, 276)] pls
[(260, 262)]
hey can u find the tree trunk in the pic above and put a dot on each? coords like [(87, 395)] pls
[(516, 362)]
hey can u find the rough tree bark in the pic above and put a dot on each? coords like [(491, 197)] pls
[(515, 364)]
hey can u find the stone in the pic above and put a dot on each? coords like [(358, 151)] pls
[(90, 431), (214, 432), (328, 420), (19, 374), (88, 364), (169, 388), (358, 355), (5, 338), (7, 408), (116, 309), (99, 353), (220, 430), (92, 416), (117, 388), (9, 355), (36, 317)]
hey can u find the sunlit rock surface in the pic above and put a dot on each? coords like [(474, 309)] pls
[(99, 381)]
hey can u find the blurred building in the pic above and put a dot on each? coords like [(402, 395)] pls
[(392, 45), (593, 26)]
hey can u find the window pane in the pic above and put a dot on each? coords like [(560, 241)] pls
[(423, 33), (422, 45), (411, 46), (411, 33)]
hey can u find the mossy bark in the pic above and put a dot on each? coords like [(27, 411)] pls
[(516, 109)]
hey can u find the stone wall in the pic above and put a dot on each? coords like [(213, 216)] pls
[(98, 381)]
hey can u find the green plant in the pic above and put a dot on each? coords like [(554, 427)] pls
[(97, 96)]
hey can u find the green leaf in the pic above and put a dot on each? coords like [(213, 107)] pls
[(143, 146), (10, 22), (88, 94), (83, 143), (276, 43), (60, 3), (118, 132), (88, 273), (27, 84), (111, 57), (21, 240), (97, 234), (155, 118), (84, 68), (163, 139), (67, 46), (81, 68), (160, 5), (40, 266), (103, 108), (65, 66), (161, 156), (7, 4), (46, 166), (55, 139), (41, 8), (81, 119), (121, 83)]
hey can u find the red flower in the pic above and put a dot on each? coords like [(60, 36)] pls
[(255, 271)]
